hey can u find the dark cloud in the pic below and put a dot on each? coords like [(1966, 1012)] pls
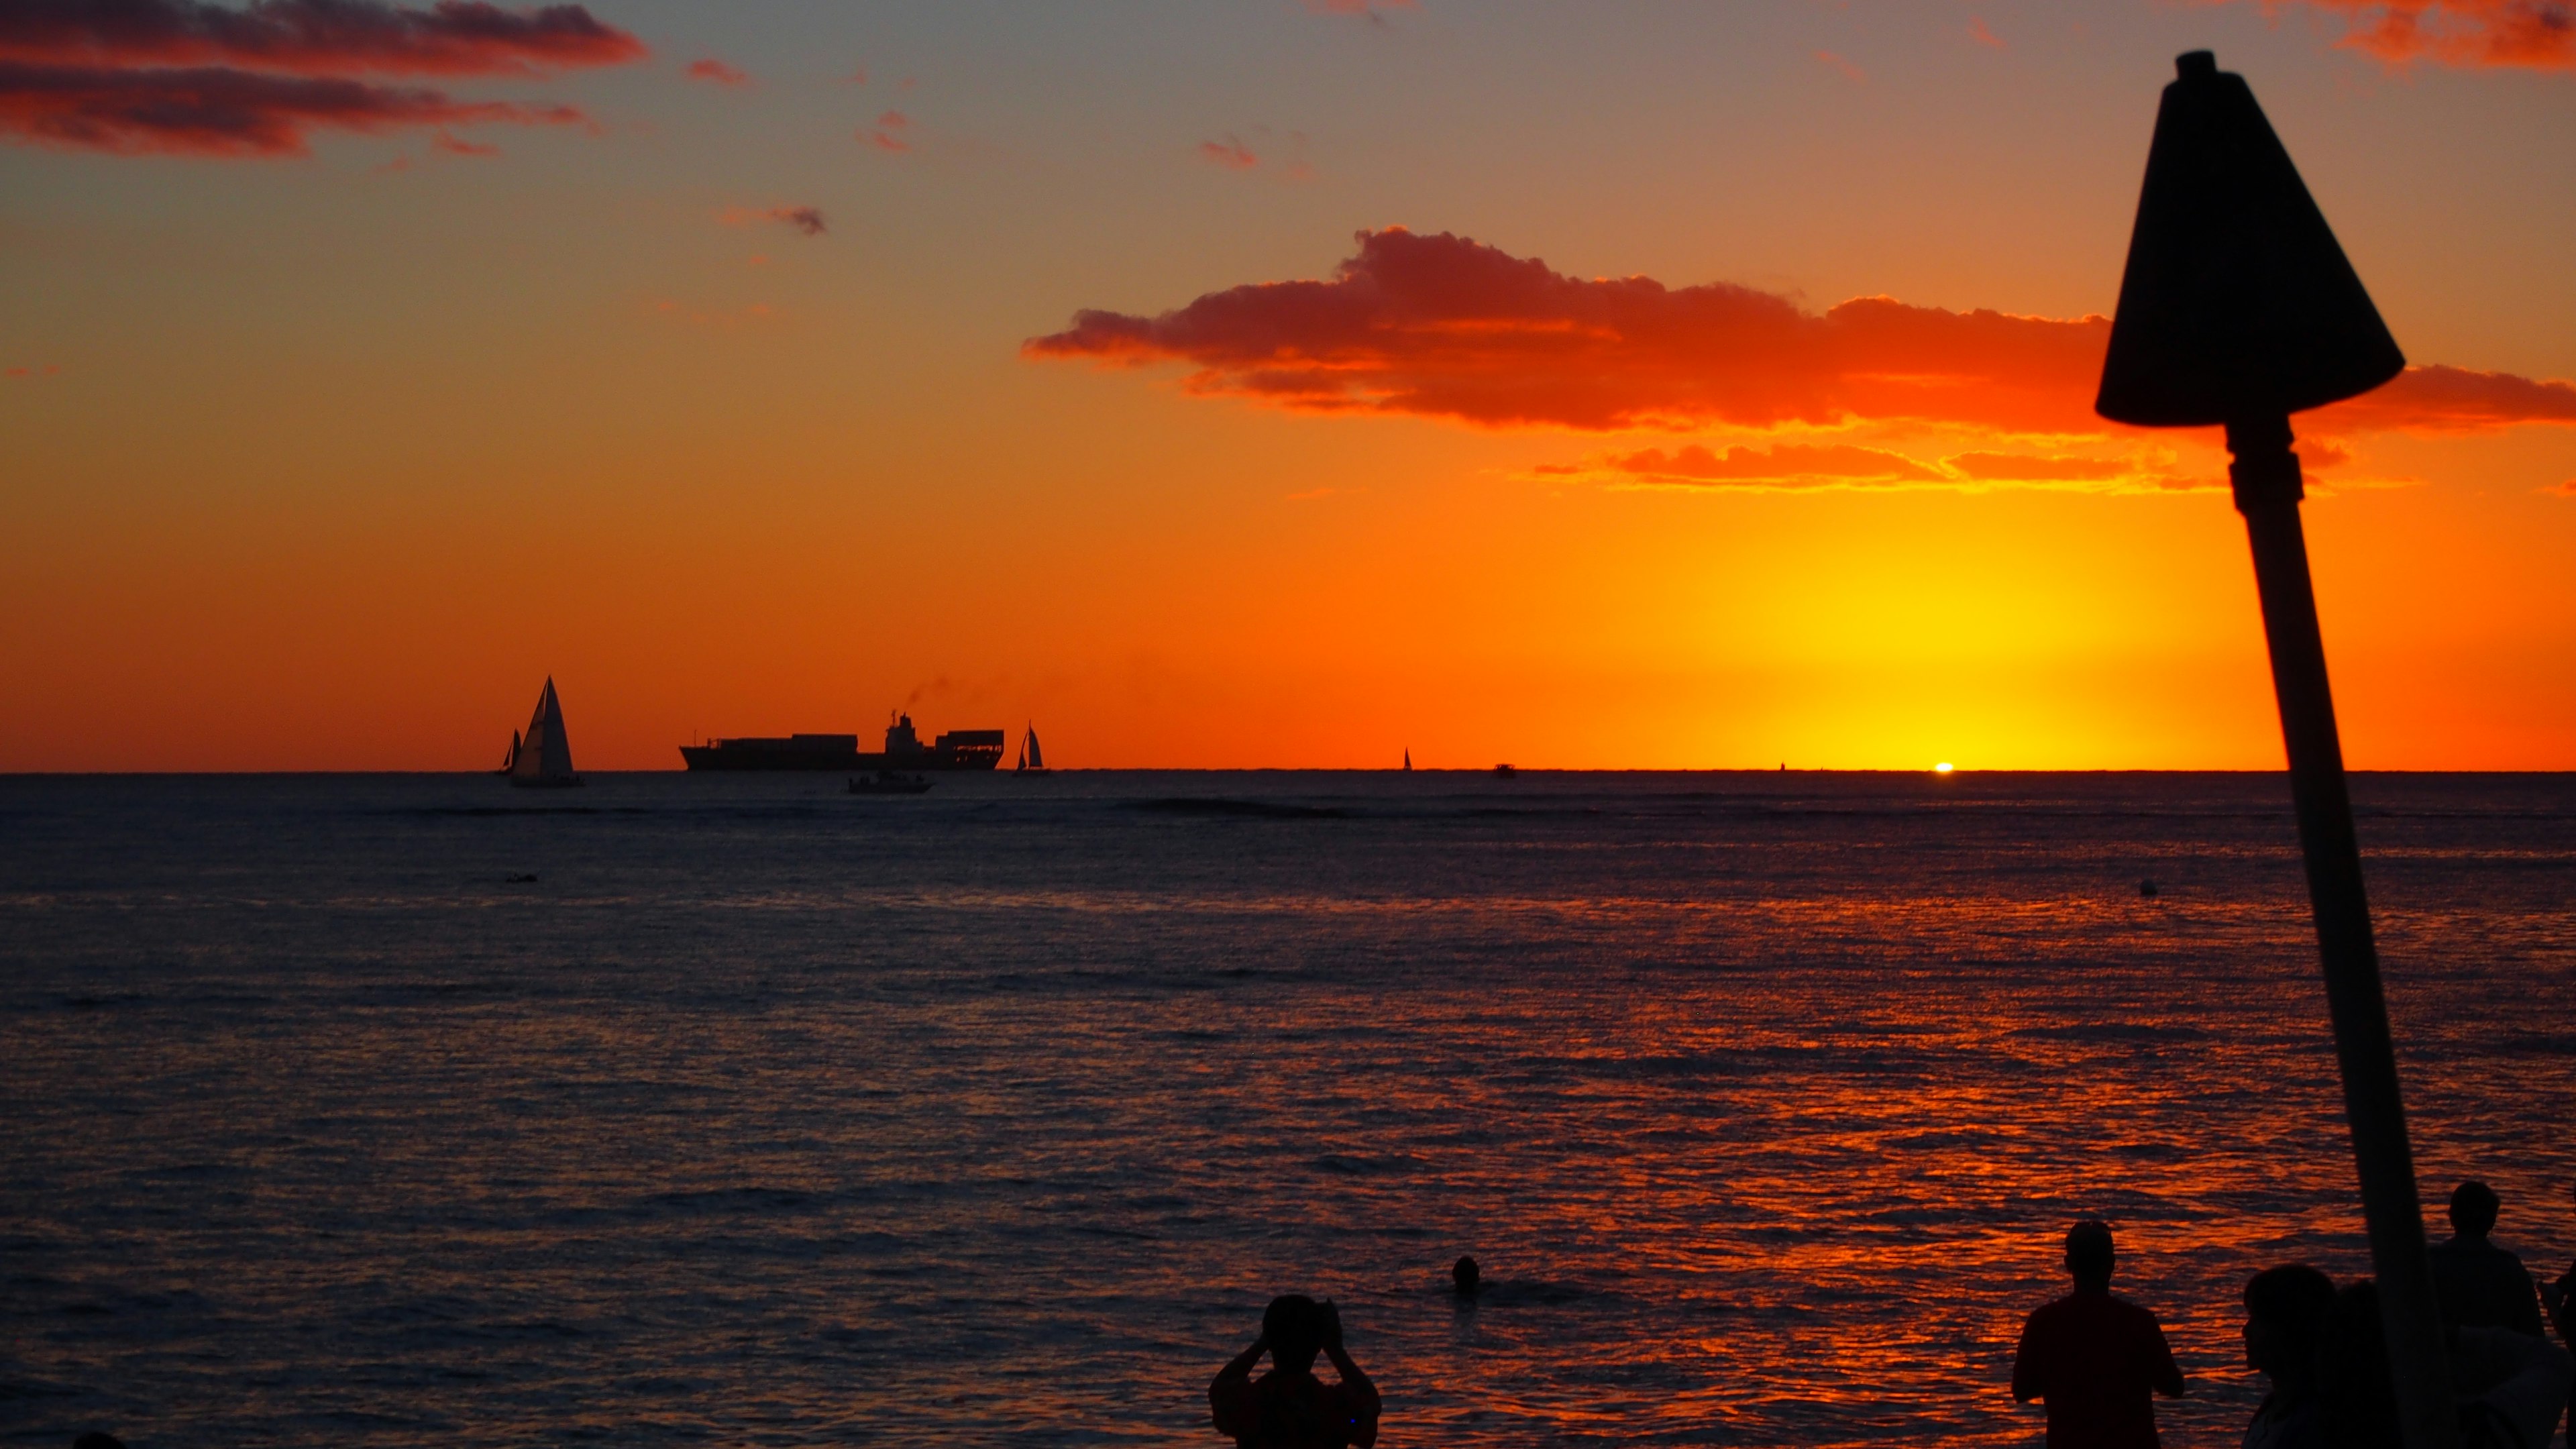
[(217, 111), (312, 37), (807, 219), (189, 78)]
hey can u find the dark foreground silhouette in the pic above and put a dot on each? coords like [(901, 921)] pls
[(1288, 1407), (2478, 1284), (2094, 1359)]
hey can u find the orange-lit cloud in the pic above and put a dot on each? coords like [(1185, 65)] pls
[(312, 37), (181, 77), (1785, 463), (1442, 326), (2038, 468), (2529, 34), (218, 111), (1229, 153), (806, 219), (888, 133), (2440, 399), (1978, 32), (1844, 465), (1835, 62), (712, 69), (459, 146)]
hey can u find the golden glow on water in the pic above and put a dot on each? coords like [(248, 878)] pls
[(1000, 1113)]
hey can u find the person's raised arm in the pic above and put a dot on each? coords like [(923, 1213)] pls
[(1359, 1396), (1230, 1394), (1364, 1396)]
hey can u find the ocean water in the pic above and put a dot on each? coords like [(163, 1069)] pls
[(764, 1114)]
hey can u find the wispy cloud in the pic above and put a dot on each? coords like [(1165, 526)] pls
[(313, 37), (1229, 153), (188, 78), (888, 134), (713, 70), (218, 111), (806, 219), (2522, 34)]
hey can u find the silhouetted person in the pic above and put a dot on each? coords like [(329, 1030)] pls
[(2479, 1284), (1288, 1407), (2507, 1387), (2287, 1310), (96, 1440), (2094, 1359), (1466, 1278)]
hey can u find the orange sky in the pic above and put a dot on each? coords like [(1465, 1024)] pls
[(745, 395)]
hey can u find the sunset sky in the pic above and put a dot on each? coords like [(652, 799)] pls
[(1242, 382)]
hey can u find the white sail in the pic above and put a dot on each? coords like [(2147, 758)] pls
[(544, 756)]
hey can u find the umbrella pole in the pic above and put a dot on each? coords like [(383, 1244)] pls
[(2266, 475)]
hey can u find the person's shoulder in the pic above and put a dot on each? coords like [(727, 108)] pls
[(2053, 1310), (2132, 1311)]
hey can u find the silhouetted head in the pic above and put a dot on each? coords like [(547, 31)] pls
[(2474, 1206), (2286, 1310), (96, 1440), (2088, 1253), (1465, 1276), (1294, 1324)]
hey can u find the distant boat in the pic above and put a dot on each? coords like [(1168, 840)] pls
[(1031, 761), (1505, 770), (1408, 757), (543, 756)]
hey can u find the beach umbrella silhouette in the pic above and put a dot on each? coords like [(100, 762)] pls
[(2238, 309)]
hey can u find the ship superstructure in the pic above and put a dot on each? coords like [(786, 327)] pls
[(904, 750)]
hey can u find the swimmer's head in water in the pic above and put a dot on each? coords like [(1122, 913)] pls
[(1294, 1324), (2088, 1252), (1466, 1276)]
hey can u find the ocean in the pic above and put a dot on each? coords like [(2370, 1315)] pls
[(415, 1110)]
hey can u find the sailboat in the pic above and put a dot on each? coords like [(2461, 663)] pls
[(1031, 762), (1408, 757), (542, 756)]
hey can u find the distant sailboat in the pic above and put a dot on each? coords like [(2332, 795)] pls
[(1408, 757), (1032, 762), (542, 756)]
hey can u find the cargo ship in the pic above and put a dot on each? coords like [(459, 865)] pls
[(955, 750)]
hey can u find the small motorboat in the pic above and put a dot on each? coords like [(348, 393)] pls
[(889, 782)]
